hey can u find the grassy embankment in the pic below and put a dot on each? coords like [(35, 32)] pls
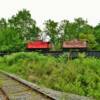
[(79, 76)]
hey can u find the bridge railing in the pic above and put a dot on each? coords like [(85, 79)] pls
[(75, 54)]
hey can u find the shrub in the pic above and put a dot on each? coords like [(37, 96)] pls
[(79, 76)]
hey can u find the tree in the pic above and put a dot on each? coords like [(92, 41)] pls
[(91, 40), (71, 30), (24, 25), (65, 30), (79, 29), (10, 40), (79, 25), (3, 23), (51, 28), (97, 33)]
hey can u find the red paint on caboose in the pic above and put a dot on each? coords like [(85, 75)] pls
[(38, 45)]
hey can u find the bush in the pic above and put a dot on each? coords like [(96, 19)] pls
[(80, 76)]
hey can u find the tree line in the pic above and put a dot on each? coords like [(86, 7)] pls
[(21, 28)]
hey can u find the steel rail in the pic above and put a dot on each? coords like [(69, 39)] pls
[(27, 84)]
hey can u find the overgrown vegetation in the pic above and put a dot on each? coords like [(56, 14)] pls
[(21, 28), (79, 76)]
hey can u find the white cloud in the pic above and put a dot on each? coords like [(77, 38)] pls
[(53, 9)]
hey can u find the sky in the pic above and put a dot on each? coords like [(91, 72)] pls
[(57, 10)]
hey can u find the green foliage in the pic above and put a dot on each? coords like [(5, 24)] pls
[(79, 29), (63, 58), (90, 38), (9, 40), (65, 30), (51, 27), (79, 76), (1, 83), (3, 23), (15, 32), (24, 24), (97, 33), (23, 29)]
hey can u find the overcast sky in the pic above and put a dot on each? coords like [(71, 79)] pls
[(57, 10)]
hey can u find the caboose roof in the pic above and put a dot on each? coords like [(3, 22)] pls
[(75, 44)]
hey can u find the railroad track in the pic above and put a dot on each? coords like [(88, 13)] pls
[(15, 88), (12, 88)]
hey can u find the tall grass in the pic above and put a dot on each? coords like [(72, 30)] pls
[(80, 76)]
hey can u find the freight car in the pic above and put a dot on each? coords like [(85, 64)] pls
[(38, 45), (73, 45)]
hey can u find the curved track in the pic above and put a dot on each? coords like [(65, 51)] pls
[(14, 89)]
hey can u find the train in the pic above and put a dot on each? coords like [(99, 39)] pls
[(72, 46), (75, 45)]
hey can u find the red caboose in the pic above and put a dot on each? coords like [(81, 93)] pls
[(38, 45)]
